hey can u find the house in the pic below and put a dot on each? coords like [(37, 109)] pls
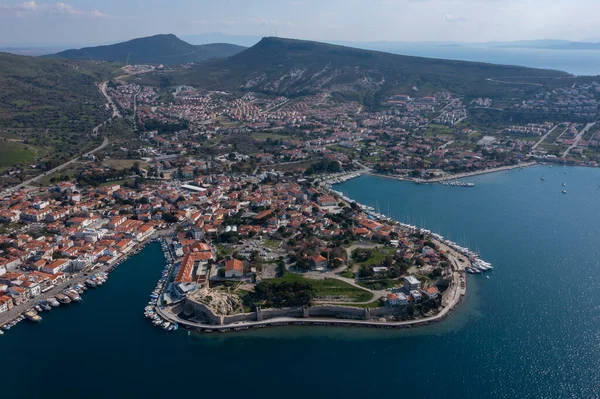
[(318, 261), (397, 299), (326, 200), (411, 283), (427, 250), (234, 268), (18, 294), (56, 266), (6, 303), (432, 292)]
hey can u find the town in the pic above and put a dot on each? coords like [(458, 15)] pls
[(238, 188)]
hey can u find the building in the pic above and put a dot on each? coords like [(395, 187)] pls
[(318, 261), (411, 283), (397, 299), (234, 268)]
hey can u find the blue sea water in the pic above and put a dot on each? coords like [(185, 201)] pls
[(532, 330), (576, 62)]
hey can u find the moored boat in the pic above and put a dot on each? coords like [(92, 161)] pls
[(32, 315), (91, 283), (73, 295), (63, 298), (53, 302)]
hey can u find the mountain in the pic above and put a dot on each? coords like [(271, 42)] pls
[(294, 67), (217, 37), (159, 49)]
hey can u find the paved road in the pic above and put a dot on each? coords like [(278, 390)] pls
[(543, 138), (578, 138), (116, 113), (58, 168)]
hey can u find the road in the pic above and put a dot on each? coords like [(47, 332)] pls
[(543, 138), (116, 113), (578, 138), (58, 168)]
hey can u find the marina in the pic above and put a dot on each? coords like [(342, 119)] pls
[(69, 294)]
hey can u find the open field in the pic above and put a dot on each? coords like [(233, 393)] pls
[(124, 163), (12, 153), (263, 136), (331, 289)]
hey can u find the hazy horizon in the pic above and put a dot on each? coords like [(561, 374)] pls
[(91, 22)]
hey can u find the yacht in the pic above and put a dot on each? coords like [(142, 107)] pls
[(91, 283), (73, 295), (53, 302), (63, 298)]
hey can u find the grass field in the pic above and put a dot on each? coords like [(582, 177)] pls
[(124, 163), (273, 244), (331, 289), (379, 284), (263, 136), (12, 153), (378, 256)]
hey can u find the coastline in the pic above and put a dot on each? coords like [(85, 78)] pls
[(454, 177), (451, 298)]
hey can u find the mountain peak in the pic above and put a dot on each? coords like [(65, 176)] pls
[(158, 49)]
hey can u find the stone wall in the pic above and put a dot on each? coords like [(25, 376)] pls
[(337, 312), (236, 318), (201, 312), (204, 314), (282, 312)]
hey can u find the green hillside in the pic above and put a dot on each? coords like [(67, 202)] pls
[(159, 49), (48, 107), (294, 67)]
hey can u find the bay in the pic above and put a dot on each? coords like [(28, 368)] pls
[(532, 330)]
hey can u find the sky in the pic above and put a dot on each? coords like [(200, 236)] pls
[(43, 22)]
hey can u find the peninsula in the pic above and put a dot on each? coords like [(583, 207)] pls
[(230, 162)]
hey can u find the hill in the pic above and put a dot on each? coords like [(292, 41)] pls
[(295, 67), (159, 49), (50, 105)]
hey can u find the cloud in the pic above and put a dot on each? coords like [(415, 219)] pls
[(47, 10), (453, 18)]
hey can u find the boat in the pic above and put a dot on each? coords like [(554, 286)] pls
[(91, 283), (564, 191), (53, 302), (46, 307), (73, 295), (543, 178), (32, 315), (63, 298), (38, 308), (564, 184), (1, 332)]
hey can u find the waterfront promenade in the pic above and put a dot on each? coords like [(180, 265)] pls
[(456, 176)]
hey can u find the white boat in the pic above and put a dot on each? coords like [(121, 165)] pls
[(53, 302)]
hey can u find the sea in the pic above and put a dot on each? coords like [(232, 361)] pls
[(576, 62), (528, 329)]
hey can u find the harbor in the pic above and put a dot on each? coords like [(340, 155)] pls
[(65, 294)]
